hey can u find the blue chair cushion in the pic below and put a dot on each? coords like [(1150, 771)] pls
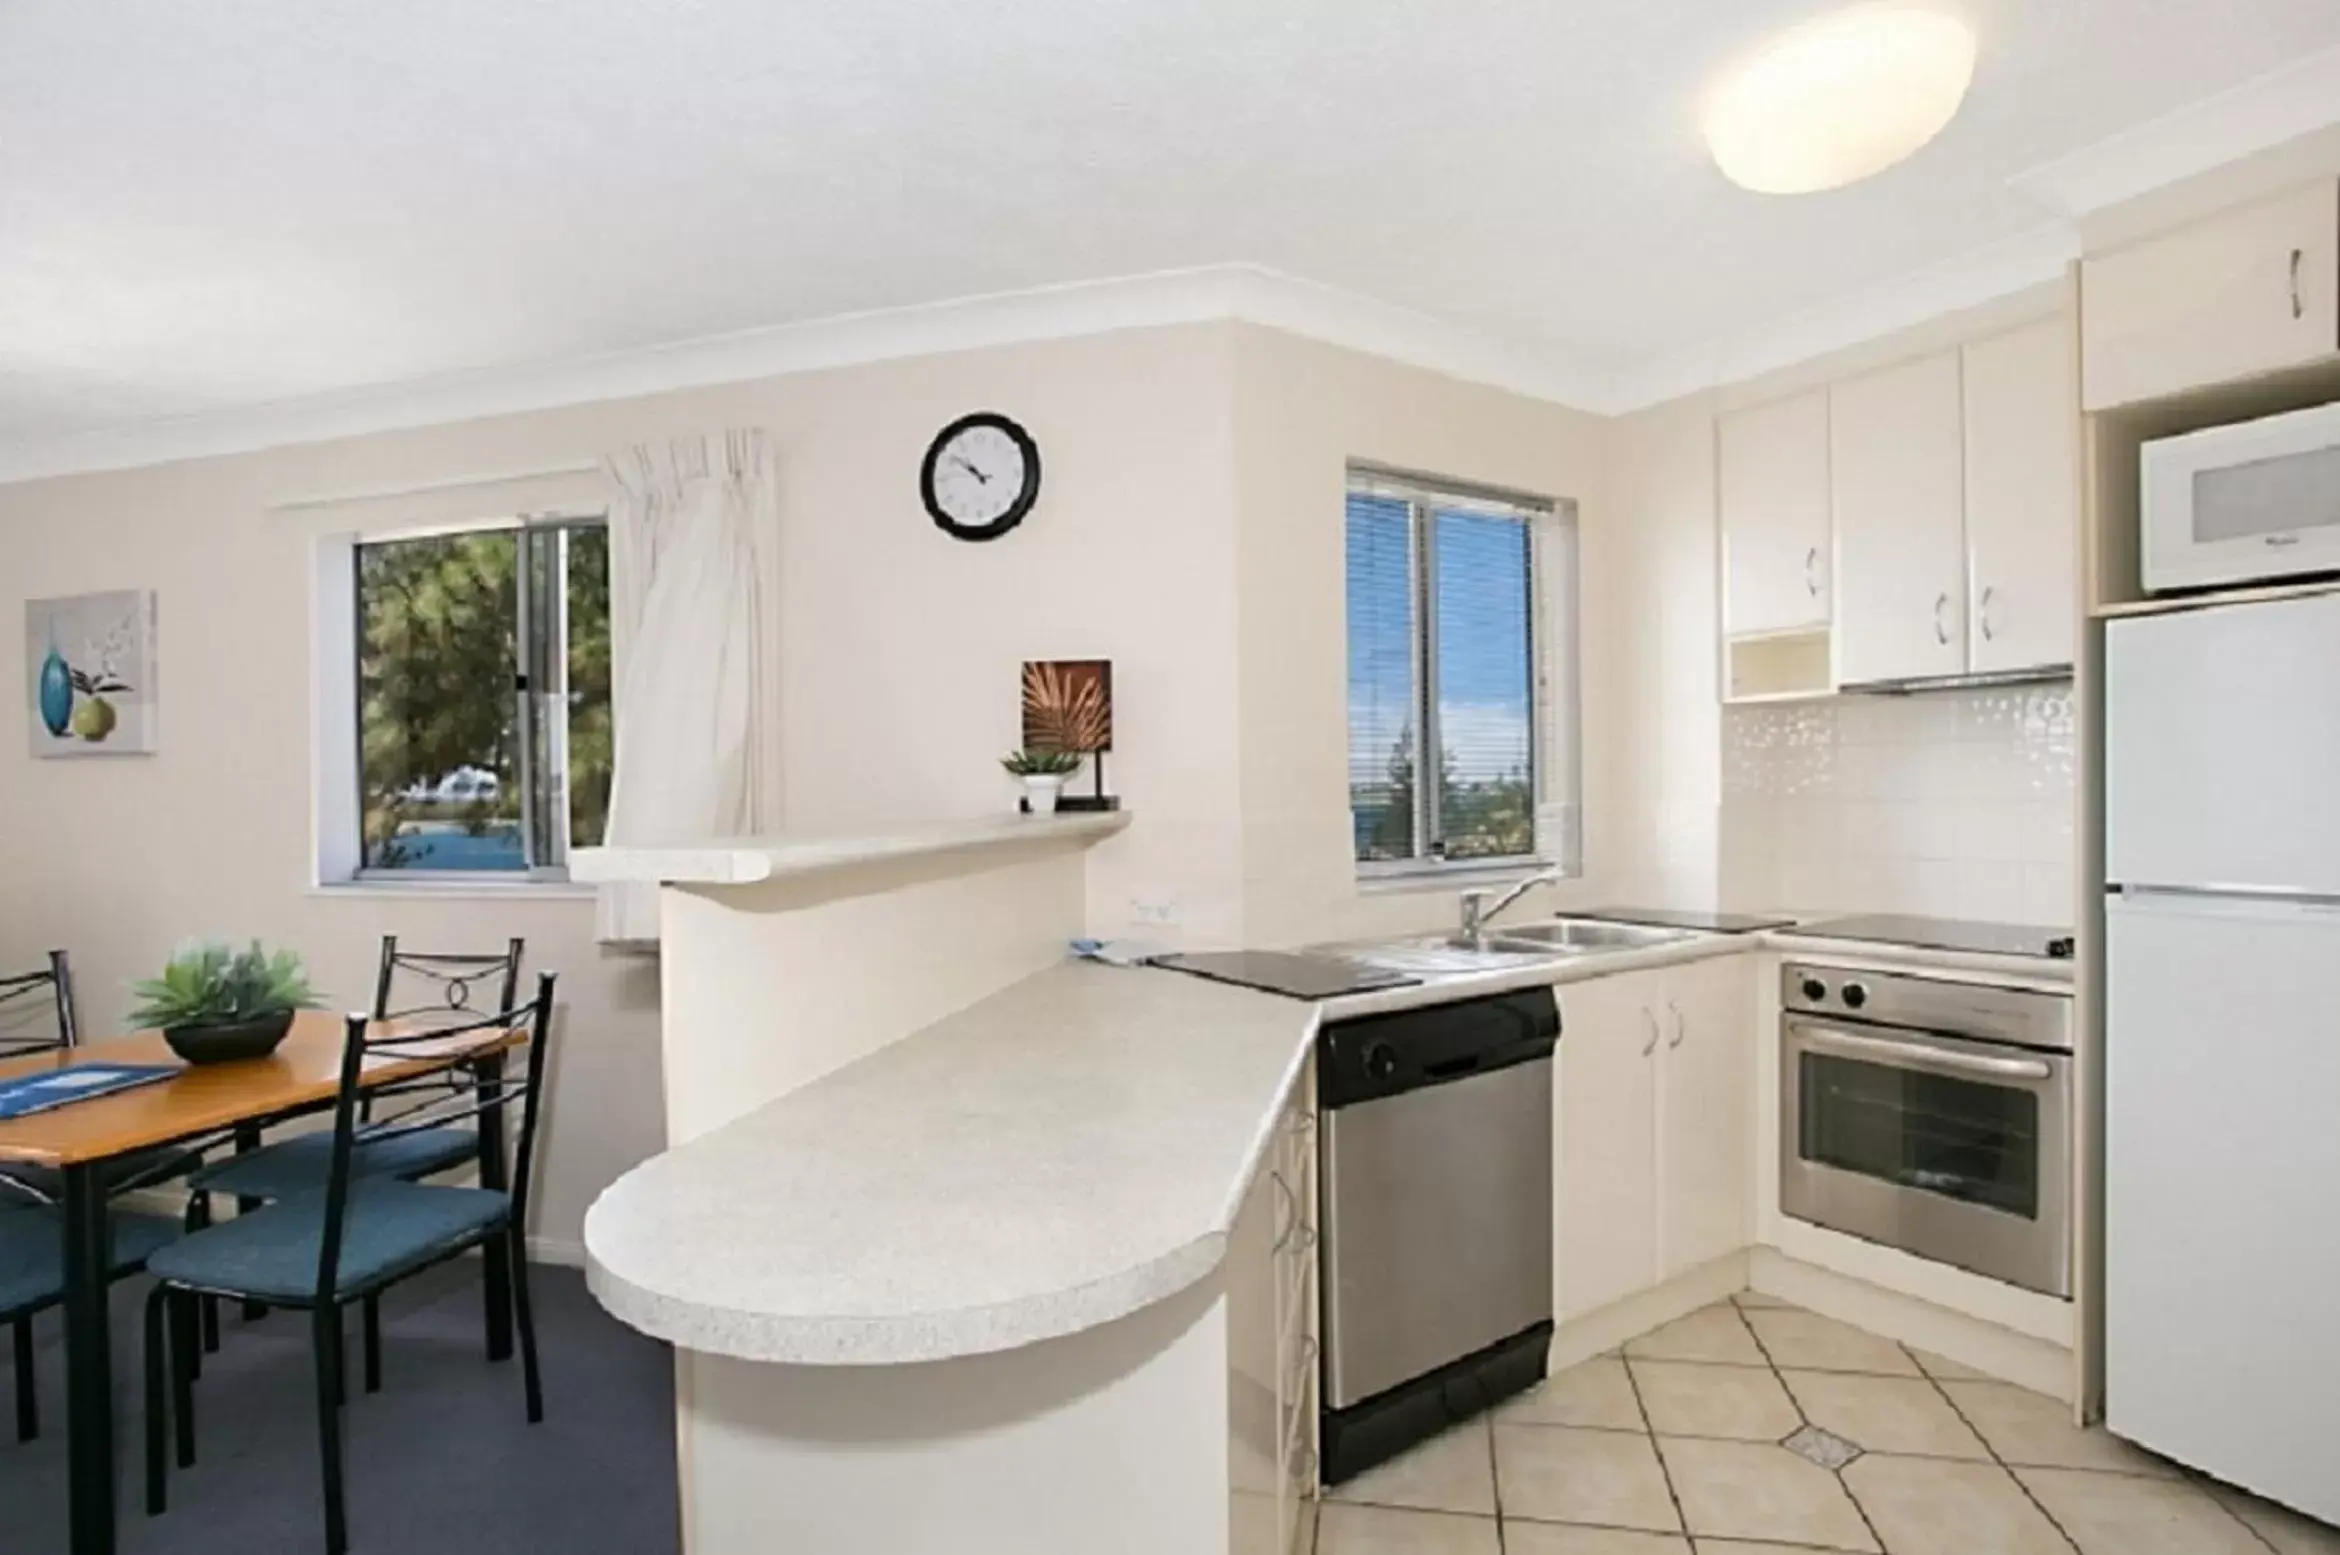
[(271, 1254), (32, 1254), (299, 1164)]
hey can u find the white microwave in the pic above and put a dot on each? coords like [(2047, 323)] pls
[(2245, 503)]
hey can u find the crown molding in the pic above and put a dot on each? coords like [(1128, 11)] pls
[(1250, 293), (2260, 115), (1972, 280)]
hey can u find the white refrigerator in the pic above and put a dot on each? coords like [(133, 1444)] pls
[(2222, 1043)]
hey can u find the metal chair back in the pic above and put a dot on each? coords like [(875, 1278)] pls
[(475, 1089), (43, 998), (452, 979)]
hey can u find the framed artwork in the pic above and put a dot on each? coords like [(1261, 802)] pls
[(91, 665)]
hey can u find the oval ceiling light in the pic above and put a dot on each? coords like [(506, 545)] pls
[(1839, 98)]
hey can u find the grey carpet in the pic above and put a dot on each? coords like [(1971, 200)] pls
[(442, 1460)]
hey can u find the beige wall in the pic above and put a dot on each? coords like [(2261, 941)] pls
[(1302, 412), (898, 691)]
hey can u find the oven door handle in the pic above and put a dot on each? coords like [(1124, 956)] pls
[(1913, 1055)]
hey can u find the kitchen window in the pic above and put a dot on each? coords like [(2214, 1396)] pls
[(1461, 650), (481, 700)]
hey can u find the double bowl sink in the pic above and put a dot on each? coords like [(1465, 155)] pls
[(1552, 939)]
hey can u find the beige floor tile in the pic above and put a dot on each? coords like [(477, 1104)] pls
[(2123, 1514), (1752, 1490), (1523, 1538), (1691, 1398), (1597, 1393), (1884, 1414), (1381, 1530), (2288, 1531), (1931, 1506), (1756, 1298), (1714, 1334), (1811, 1342), (1948, 1370), (1739, 1547), (1450, 1473), (2032, 1430), (1560, 1474)]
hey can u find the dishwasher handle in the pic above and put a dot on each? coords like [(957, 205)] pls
[(1374, 1056)]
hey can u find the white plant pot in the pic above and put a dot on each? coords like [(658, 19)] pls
[(1041, 791)]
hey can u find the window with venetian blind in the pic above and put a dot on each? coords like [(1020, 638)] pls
[(1461, 645)]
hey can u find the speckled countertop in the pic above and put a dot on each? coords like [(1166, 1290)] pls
[(1059, 1155)]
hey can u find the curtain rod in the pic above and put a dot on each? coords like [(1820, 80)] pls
[(427, 488)]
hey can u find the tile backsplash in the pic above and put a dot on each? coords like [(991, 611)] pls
[(1954, 804)]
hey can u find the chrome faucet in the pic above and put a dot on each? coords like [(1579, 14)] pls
[(1477, 912)]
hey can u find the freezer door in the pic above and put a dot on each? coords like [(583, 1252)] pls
[(2222, 748), (2222, 1161)]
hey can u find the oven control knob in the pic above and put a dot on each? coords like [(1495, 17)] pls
[(1855, 996), (1381, 1061), (1815, 990)]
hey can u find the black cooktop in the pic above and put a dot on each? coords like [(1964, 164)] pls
[(1277, 971), (1966, 934), (1703, 922)]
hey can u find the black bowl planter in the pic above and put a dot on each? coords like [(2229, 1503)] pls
[(224, 1044)]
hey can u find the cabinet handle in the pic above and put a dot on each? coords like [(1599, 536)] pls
[(1812, 571), (2298, 306), (1680, 1030), (1982, 615), (1941, 625), (1650, 1046), (1291, 1207)]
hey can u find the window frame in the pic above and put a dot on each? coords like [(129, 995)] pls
[(1551, 644), (540, 674)]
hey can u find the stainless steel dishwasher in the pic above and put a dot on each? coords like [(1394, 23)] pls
[(1437, 1222)]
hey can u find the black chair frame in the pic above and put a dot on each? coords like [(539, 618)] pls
[(57, 977), (475, 1089)]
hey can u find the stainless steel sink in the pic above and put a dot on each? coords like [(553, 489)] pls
[(1579, 935)]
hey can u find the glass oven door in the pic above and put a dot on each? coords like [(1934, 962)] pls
[(1952, 1150)]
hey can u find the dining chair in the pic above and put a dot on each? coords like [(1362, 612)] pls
[(32, 1280), (323, 1251), (257, 1174)]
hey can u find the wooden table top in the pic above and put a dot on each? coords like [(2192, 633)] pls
[(203, 1097)]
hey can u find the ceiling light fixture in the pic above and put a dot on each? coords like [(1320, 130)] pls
[(1839, 98)]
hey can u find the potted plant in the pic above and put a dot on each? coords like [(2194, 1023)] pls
[(214, 1004), (1043, 772)]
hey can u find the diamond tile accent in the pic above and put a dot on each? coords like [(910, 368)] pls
[(1825, 1448)]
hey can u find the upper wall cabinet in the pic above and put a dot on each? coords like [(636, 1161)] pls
[(2022, 499), (1897, 470), (2249, 291), (1774, 498)]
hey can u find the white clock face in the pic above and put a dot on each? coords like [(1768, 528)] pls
[(978, 476)]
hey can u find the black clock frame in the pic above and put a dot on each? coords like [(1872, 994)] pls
[(1024, 498)]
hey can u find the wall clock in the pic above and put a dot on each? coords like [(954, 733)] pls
[(981, 476)]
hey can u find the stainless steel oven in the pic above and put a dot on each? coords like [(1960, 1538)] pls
[(1930, 1115)]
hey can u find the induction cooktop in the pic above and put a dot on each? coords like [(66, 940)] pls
[(1989, 939), (1277, 971)]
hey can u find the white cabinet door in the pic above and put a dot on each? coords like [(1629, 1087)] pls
[(1605, 1201), (1897, 469), (1706, 1091), (1255, 1426), (2245, 292), (2022, 498), (1773, 474)]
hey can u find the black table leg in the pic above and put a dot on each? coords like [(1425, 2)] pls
[(495, 1172), (89, 1382), (247, 1141)]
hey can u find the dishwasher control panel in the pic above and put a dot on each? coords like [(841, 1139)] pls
[(1385, 1055)]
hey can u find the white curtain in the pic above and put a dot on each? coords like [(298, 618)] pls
[(692, 529)]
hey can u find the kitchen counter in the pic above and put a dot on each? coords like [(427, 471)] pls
[(1061, 1154)]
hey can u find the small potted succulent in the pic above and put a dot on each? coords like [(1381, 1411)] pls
[(1043, 772), (215, 1004)]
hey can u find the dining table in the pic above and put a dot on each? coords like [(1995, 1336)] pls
[(83, 1142)]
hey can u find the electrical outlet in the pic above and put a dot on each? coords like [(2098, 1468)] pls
[(1158, 912)]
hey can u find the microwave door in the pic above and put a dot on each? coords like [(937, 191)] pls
[(2235, 504)]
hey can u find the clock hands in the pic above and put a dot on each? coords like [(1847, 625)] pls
[(961, 461)]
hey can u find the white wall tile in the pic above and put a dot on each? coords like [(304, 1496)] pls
[(1957, 804)]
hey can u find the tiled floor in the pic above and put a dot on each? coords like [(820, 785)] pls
[(1755, 1428)]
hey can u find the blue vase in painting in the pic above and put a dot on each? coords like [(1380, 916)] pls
[(56, 694)]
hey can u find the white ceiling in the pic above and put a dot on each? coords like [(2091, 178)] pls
[(205, 207)]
